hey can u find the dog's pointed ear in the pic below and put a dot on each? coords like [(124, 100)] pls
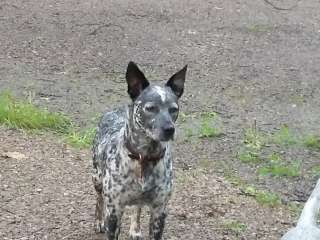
[(136, 80), (176, 82)]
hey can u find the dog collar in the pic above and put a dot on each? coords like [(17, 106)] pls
[(144, 161)]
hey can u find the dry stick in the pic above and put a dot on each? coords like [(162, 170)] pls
[(94, 32), (280, 8)]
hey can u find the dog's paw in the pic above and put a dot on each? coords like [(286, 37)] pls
[(136, 236), (99, 227)]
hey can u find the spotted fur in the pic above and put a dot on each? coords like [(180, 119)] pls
[(145, 129)]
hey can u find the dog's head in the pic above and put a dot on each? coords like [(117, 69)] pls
[(155, 108)]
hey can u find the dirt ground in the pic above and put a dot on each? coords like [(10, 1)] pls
[(250, 61)]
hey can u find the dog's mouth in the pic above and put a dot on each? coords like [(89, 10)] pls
[(165, 138)]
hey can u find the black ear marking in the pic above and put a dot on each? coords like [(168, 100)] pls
[(136, 80), (176, 82)]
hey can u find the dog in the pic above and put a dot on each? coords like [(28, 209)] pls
[(132, 160), (307, 228)]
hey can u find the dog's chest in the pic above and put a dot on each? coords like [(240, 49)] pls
[(153, 185)]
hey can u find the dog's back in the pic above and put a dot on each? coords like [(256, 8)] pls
[(106, 140)]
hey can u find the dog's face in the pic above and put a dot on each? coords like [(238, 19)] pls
[(155, 108)]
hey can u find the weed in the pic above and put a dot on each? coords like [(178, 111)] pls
[(253, 139), (263, 197), (295, 208), (235, 226), (189, 132), (268, 198), (183, 117), (315, 171), (207, 128), (281, 171), (284, 136), (277, 167), (249, 156), (81, 139), (312, 142), (24, 115)]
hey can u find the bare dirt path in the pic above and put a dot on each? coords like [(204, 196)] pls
[(248, 60)]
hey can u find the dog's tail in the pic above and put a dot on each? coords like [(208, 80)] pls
[(311, 208)]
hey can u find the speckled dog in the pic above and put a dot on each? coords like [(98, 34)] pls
[(132, 155)]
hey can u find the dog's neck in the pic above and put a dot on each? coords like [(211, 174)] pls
[(138, 140)]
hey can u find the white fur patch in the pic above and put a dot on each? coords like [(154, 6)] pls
[(161, 92)]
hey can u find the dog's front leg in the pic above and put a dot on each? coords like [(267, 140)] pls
[(157, 222), (113, 221)]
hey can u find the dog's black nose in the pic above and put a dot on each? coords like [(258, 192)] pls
[(168, 131)]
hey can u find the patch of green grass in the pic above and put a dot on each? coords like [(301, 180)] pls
[(207, 126), (315, 171), (254, 139), (235, 226), (230, 175), (253, 143), (81, 139), (24, 115), (312, 142), (279, 168), (266, 198), (284, 136), (295, 209), (249, 156)]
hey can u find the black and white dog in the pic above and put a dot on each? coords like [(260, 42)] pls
[(132, 160)]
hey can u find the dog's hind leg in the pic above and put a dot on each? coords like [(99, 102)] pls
[(135, 229)]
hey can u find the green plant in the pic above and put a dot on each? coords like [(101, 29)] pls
[(24, 115), (263, 197), (277, 167), (81, 139), (315, 171), (284, 136), (249, 156), (254, 139), (188, 132), (207, 128), (268, 198), (235, 226), (183, 117), (312, 142), (295, 209)]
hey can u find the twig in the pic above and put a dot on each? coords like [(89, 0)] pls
[(280, 8), (8, 211), (94, 32)]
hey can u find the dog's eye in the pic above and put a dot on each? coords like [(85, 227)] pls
[(173, 110), (152, 109)]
